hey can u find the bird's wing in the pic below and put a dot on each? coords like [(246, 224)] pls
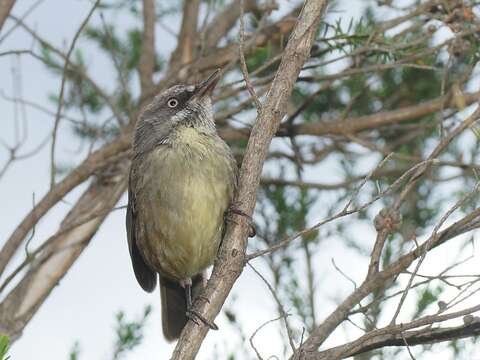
[(146, 277)]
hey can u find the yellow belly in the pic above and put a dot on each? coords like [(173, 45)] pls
[(187, 190)]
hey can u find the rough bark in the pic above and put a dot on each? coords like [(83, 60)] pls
[(231, 257), (47, 270)]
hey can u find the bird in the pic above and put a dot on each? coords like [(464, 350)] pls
[(182, 182)]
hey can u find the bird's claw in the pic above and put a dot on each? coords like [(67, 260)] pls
[(234, 210), (195, 316)]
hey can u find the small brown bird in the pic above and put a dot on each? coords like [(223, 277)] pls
[(182, 180)]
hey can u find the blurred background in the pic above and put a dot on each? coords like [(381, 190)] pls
[(371, 57)]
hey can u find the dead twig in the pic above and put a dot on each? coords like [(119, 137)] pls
[(243, 63), (62, 89)]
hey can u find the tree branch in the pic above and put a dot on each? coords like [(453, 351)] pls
[(5, 8), (225, 20), (398, 338), (225, 55), (186, 42), (95, 161), (73, 67), (147, 57), (378, 280), (360, 123), (231, 257), (46, 271)]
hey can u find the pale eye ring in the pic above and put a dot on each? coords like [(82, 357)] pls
[(172, 103)]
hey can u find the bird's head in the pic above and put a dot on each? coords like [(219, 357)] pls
[(183, 104), (187, 105)]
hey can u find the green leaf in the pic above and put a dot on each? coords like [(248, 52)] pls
[(75, 352), (427, 297), (4, 344), (129, 333)]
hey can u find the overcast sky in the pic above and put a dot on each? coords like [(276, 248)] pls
[(101, 282)]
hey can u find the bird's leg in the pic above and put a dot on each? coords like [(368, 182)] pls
[(233, 209), (204, 285), (192, 314)]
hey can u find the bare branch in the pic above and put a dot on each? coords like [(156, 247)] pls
[(78, 69), (24, 15), (22, 302), (283, 313), (5, 8), (94, 162), (185, 51), (360, 123), (62, 89), (225, 20), (232, 252), (147, 57), (377, 281), (256, 332), (243, 64), (427, 248), (390, 338)]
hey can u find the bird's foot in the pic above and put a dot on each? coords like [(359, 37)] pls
[(195, 316), (233, 210), (192, 314)]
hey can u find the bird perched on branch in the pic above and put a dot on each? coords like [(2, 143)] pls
[(182, 181)]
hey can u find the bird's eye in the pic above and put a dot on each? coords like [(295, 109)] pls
[(172, 103)]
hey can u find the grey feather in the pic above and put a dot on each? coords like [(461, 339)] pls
[(146, 277)]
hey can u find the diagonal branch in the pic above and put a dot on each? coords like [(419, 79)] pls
[(231, 257), (73, 67), (95, 161), (100, 157), (35, 292), (47, 270), (5, 8), (378, 280)]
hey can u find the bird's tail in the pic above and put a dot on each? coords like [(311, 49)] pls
[(174, 305)]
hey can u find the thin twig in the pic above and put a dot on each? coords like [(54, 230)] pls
[(243, 63), (62, 89), (256, 332), (283, 313)]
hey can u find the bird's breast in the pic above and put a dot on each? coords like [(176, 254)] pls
[(187, 187)]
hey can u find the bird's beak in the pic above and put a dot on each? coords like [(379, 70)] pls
[(206, 87)]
